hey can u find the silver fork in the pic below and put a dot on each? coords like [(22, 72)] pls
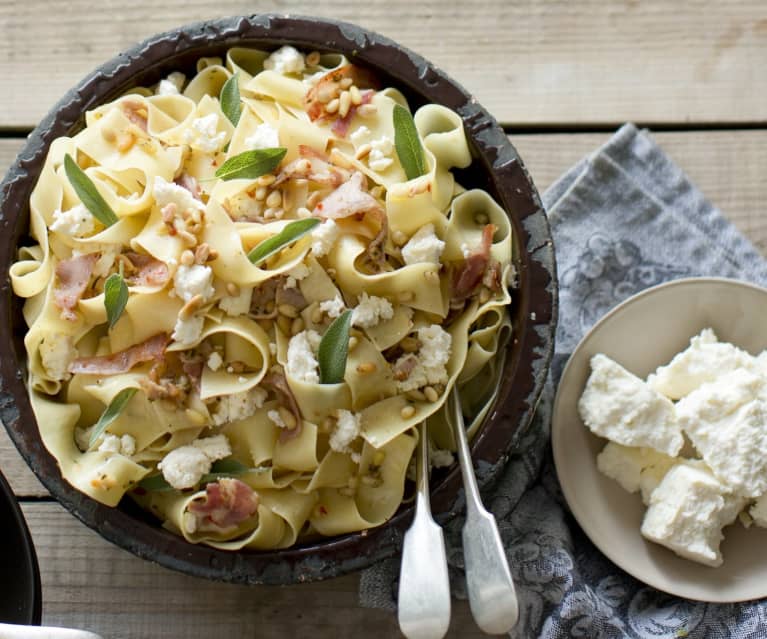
[(492, 598), (423, 600)]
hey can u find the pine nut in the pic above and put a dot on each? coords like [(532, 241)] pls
[(187, 258), (297, 326), (366, 110), (124, 142), (196, 417), (431, 394), (353, 341), (363, 151), (261, 193), (333, 105), (288, 310), (326, 93), (416, 395), (345, 103), (484, 295), (356, 95), (313, 59), (232, 289), (288, 418), (316, 315), (266, 180), (399, 238), (407, 411), (274, 199), (366, 367), (346, 83)]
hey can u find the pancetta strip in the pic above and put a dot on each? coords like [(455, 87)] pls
[(227, 503), (73, 276), (122, 361), (468, 275)]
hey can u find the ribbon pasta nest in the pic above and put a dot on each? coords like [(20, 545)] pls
[(247, 290)]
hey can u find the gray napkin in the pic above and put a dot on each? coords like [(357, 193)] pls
[(623, 219)]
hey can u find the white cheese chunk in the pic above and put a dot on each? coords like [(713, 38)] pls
[(302, 360), (75, 222), (238, 406), (359, 134), (424, 246), (57, 352), (432, 358), (172, 85), (621, 407), (687, 512), (703, 361), (203, 134), (239, 304), (215, 361), (265, 136), (728, 427), (628, 466), (193, 280), (333, 307), (183, 467), (296, 274), (324, 236), (284, 60), (370, 310), (188, 330), (346, 430), (165, 193)]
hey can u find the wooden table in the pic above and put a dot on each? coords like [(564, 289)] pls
[(559, 75)]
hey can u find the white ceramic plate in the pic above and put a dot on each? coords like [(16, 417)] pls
[(642, 333)]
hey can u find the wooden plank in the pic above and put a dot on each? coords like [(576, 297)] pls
[(727, 166), (89, 583), (594, 61)]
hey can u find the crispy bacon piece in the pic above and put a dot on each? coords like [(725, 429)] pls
[(73, 276), (468, 275), (227, 503), (147, 271), (341, 125), (136, 112), (329, 86), (348, 199), (313, 166), (122, 361), (276, 381)]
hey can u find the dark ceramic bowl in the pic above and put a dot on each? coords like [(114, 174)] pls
[(496, 168), (20, 592)]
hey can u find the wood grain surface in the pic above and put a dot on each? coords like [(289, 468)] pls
[(552, 71), (547, 62)]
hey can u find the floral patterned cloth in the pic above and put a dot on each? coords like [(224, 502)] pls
[(623, 219)]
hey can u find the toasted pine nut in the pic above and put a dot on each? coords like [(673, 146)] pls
[(484, 295), (431, 394), (313, 199), (261, 193), (232, 289), (366, 367), (407, 411), (326, 93), (353, 341), (416, 395), (288, 310), (313, 58), (266, 180), (278, 213), (187, 258), (297, 326), (303, 212), (332, 106), (274, 199), (345, 103), (356, 95), (316, 315), (125, 141), (399, 238), (190, 307), (363, 151), (284, 323), (346, 83)]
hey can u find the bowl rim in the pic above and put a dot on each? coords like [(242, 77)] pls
[(559, 453), (535, 309)]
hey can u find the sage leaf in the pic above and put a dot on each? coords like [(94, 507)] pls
[(334, 348), (112, 412), (155, 483), (115, 297), (230, 99), (292, 232), (88, 193), (408, 143), (251, 164)]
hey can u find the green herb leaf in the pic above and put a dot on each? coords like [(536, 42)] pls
[(251, 164), (230, 99), (112, 412), (408, 143), (292, 232), (334, 348), (115, 297), (155, 482), (87, 192)]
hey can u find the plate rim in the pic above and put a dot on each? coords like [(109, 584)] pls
[(559, 423)]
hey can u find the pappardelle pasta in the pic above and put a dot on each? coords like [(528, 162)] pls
[(250, 287)]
